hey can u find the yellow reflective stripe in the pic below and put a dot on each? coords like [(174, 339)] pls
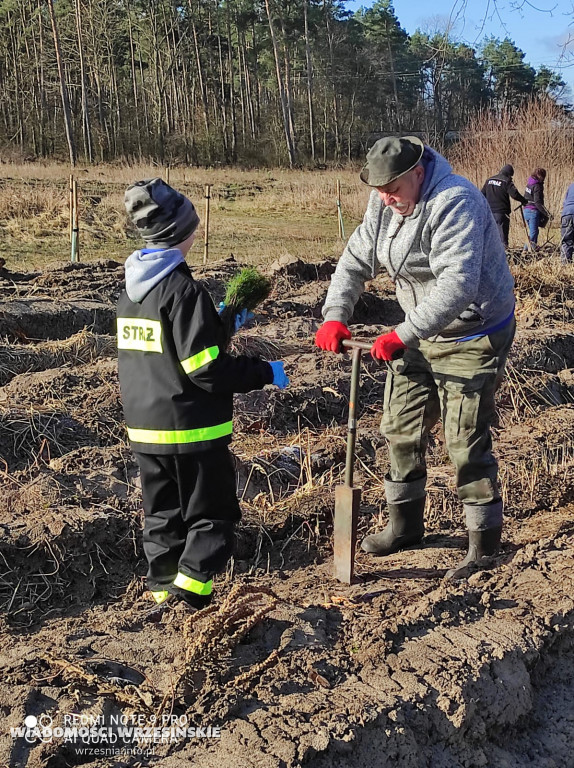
[(175, 436), (160, 597), (198, 361), (193, 585), (139, 334)]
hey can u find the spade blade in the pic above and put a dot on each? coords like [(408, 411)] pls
[(347, 501)]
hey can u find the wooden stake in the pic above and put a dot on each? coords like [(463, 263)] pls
[(167, 174), (75, 256), (339, 212), (206, 228)]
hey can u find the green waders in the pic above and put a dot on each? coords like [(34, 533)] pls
[(455, 381)]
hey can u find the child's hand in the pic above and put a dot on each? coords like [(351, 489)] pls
[(280, 378), (243, 317)]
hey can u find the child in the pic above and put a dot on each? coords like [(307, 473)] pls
[(177, 386)]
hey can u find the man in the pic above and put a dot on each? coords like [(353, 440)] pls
[(435, 235), (498, 190), (567, 227)]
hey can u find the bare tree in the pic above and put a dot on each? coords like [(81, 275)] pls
[(63, 86), (287, 124)]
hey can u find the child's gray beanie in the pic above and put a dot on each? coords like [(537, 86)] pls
[(163, 216)]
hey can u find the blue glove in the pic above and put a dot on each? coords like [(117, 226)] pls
[(240, 319), (243, 317), (280, 378)]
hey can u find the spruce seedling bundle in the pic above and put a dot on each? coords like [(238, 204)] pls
[(246, 290)]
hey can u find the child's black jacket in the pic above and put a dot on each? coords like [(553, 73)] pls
[(176, 381)]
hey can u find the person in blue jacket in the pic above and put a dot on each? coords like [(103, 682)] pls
[(567, 227)]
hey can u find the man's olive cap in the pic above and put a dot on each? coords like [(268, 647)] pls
[(390, 158)]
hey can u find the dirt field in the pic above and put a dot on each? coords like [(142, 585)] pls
[(401, 669)]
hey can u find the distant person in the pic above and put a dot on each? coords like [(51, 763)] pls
[(177, 384), (535, 213), (567, 227), (498, 190)]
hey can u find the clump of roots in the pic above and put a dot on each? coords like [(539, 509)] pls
[(82, 347)]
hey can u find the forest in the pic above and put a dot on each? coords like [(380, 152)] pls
[(298, 83)]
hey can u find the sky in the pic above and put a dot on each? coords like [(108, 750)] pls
[(542, 29)]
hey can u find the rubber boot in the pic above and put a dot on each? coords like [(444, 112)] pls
[(480, 544), (405, 529)]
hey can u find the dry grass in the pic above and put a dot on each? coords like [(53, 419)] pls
[(255, 215), (536, 135), (82, 347), (270, 190), (260, 215), (544, 288)]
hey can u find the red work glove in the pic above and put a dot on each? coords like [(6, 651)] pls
[(330, 335), (387, 346)]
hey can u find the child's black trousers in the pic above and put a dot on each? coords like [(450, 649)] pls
[(190, 507)]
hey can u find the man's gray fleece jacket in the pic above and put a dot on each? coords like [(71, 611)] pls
[(446, 259)]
